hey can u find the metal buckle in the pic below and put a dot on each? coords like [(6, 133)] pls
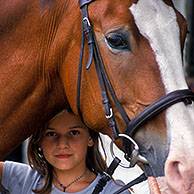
[(110, 115), (87, 20), (135, 156)]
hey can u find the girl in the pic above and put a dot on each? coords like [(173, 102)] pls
[(63, 158)]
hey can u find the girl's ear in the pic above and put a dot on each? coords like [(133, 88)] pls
[(90, 141)]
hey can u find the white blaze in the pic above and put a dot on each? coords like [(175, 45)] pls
[(157, 22)]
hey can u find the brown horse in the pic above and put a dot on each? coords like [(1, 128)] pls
[(141, 44)]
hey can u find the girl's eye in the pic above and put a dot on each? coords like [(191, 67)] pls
[(51, 134), (74, 132)]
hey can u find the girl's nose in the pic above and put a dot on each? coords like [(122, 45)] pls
[(62, 142)]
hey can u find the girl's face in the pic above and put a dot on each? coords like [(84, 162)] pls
[(65, 143)]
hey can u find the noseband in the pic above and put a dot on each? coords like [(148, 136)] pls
[(132, 126)]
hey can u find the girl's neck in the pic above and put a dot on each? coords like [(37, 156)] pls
[(67, 177)]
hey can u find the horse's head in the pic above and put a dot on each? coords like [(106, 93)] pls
[(141, 44)]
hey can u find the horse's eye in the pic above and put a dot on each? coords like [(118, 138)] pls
[(116, 41)]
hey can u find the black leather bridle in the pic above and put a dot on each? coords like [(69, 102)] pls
[(186, 96), (132, 126)]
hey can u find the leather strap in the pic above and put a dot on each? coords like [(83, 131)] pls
[(107, 175), (186, 96), (101, 72), (3, 190), (139, 179), (84, 2)]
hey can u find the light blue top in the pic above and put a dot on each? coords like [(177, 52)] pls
[(20, 178)]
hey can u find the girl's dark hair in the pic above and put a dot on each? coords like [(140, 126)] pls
[(94, 159)]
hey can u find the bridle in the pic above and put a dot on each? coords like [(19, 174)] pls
[(132, 126)]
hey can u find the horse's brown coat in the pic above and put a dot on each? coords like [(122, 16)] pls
[(39, 54)]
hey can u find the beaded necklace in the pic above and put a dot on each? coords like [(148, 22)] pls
[(64, 187)]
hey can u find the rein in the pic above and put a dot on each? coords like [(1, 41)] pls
[(132, 126)]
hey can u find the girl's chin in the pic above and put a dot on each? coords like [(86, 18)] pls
[(62, 167)]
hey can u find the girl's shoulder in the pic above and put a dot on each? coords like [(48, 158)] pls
[(19, 177), (11, 167), (15, 164)]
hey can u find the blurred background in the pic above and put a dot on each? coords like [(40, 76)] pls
[(186, 7)]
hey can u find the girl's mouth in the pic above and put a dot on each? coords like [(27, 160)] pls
[(63, 156)]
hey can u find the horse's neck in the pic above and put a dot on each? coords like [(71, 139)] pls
[(30, 93)]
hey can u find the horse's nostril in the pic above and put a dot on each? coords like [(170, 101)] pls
[(175, 170), (179, 176)]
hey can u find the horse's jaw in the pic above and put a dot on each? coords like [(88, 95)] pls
[(152, 142)]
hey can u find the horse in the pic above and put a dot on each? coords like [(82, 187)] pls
[(141, 45)]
